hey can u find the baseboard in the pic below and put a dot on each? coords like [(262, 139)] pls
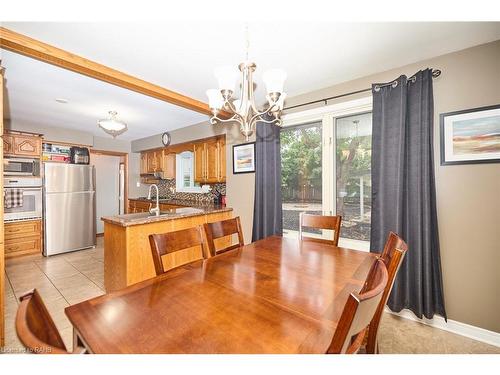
[(462, 329)]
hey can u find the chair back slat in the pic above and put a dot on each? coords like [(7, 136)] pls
[(221, 229), (35, 328), (392, 256), (171, 242), (320, 222), (358, 312)]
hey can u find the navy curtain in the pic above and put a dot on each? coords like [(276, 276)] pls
[(267, 213), (403, 190)]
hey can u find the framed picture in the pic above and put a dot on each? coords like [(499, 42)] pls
[(244, 158), (470, 136)]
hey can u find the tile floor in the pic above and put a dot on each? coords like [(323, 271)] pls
[(67, 279)]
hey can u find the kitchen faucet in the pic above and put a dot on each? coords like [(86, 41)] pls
[(155, 210)]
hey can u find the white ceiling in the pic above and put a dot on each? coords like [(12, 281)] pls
[(182, 56)]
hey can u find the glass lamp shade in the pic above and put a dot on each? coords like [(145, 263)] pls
[(215, 100), (226, 76), (112, 125), (274, 79)]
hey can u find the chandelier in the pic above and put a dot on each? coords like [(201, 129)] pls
[(243, 111), (112, 125)]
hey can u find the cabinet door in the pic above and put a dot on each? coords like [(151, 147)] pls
[(222, 159), (151, 162), (8, 144), (169, 165), (27, 146), (199, 162), (212, 161), (144, 162), (160, 167)]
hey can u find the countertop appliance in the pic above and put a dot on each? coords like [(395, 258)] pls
[(13, 166), (31, 188), (79, 155), (69, 207)]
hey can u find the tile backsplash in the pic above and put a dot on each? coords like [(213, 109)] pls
[(167, 189)]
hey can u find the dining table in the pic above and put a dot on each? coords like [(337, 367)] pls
[(275, 295)]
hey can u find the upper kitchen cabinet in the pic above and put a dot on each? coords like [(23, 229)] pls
[(161, 160), (210, 160), (22, 145)]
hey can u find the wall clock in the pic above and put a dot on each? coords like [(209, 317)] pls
[(165, 138)]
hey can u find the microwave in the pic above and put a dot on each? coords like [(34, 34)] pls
[(21, 167)]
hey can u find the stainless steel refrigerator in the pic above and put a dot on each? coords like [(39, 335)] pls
[(69, 209)]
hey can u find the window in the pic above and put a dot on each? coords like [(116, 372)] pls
[(326, 169), (184, 180)]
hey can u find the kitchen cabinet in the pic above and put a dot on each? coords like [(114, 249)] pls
[(140, 205), (135, 206), (210, 160), (169, 165), (22, 145), (161, 160), (155, 161), (22, 238)]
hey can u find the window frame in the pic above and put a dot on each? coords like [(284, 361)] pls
[(327, 115), (179, 175)]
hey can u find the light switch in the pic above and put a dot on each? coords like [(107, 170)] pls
[(138, 184)]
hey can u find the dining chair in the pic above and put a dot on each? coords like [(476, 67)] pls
[(36, 329), (358, 312), (168, 243), (320, 222), (221, 229), (392, 256)]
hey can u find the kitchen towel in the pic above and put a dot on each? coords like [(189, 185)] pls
[(13, 198)]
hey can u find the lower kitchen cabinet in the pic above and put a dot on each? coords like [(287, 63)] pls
[(23, 238)]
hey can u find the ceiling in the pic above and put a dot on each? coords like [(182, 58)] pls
[(182, 56)]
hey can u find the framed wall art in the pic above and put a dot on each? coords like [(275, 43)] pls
[(470, 136)]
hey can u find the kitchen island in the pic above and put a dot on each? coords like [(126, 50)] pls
[(127, 253)]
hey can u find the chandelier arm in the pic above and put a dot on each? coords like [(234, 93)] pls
[(214, 119), (263, 113)]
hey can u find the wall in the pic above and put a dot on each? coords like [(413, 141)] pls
[(57, 134), (468, 196), (239, 188)]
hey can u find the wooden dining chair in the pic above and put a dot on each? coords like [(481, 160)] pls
[(221, 229), (392, 256), (168, 243), (320, 222), (36, 329), (358, 312)]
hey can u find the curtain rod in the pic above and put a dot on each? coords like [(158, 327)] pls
[(435, 73)]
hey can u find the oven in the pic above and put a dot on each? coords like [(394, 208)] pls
[(31, 191), (21, 167)]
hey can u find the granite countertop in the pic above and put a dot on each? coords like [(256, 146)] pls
[(188, 209)]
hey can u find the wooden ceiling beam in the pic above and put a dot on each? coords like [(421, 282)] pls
[(24, 45)]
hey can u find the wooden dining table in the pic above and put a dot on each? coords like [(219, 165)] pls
[(276, 295)]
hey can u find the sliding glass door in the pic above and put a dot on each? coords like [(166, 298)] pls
[(301, 173), (326, 160), (353, 149)]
